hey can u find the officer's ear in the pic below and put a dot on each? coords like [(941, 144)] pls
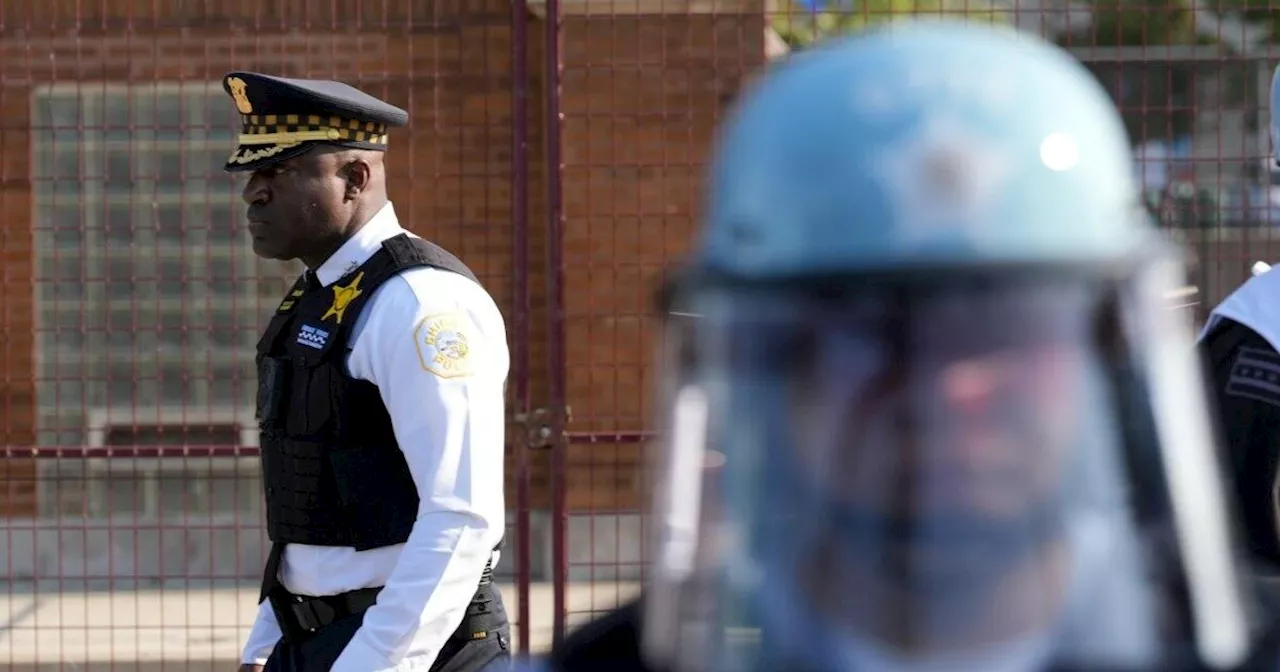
[(357, 171)]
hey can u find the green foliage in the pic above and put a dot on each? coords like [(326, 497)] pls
[(1260, 12), (1119, 23), (1116, 23), (800, 27), (1162, 22)]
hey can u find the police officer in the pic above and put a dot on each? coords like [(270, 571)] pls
[(1240, 342), (925, 405), (380, 402)]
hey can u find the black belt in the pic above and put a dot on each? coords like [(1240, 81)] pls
[(301, 616), (298, 614)]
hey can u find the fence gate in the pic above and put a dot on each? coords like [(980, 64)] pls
[(629, 94)]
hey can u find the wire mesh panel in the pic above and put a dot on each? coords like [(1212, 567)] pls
[(133, 532), (1195, 105)]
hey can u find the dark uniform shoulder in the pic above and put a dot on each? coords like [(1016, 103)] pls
[(1222, 343), (1242, 363), (1242, 366), (611, 642), (1244, 370)]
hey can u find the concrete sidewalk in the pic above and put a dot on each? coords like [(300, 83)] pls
[(196, 629)]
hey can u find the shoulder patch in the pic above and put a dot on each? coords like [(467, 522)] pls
[(445, 343), (1255, 375)]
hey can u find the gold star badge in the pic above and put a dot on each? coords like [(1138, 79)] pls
[(342, 297)]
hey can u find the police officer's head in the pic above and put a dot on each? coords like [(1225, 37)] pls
[(925, 395), (313, 151)]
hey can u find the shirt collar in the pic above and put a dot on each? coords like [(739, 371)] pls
[(361, 246)]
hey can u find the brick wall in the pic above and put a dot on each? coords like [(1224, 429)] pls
[(17, 298), (641, 97)]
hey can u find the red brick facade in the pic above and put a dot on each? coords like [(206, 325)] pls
[(641, 97)]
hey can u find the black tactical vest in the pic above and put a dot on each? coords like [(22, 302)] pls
[(333, 472)]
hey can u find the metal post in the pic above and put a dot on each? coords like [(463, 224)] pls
[(555, 281), (520, 297)]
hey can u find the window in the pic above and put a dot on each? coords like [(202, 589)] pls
[(214, 489), (147, 289)]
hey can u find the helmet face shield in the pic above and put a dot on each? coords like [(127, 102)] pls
[(1275, 116), (902, 471)]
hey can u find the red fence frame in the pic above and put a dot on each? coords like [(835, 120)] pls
[(553, 72)]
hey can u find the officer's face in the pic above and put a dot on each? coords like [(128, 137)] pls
[(977, 434), (298, 207), (932, 422), (962, 439)]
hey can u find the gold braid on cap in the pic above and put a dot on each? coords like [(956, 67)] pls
[(281, 129)]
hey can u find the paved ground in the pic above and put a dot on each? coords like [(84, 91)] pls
[(191, 629)]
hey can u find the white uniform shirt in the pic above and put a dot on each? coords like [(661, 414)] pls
[(1254, 304), (450, 425)]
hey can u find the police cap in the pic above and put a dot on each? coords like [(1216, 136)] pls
[(283, 118)]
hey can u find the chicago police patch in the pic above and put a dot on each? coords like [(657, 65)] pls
[(1255, 375), (445, 344), (312, 337)]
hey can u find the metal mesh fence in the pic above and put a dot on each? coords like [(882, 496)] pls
[(557, 147)]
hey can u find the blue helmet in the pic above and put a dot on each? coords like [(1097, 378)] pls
[(927, 145), (923, 399)]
